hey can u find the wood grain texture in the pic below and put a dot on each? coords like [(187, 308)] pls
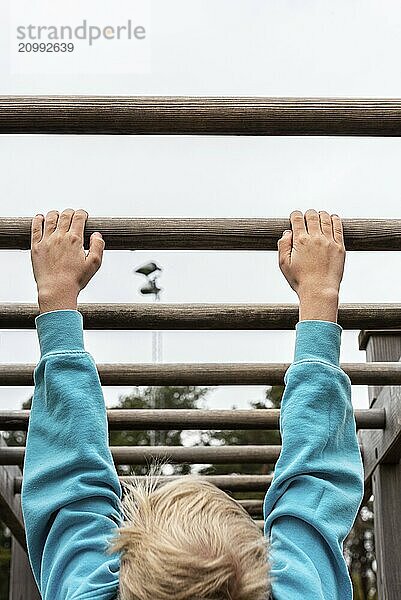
[(10, 507), (383, 446), (22, 582), (381, 455), (204, 316), (127, 233), (253, 507), (228, 483), (142, 455), (386, 488), (143, 374), (387, 352), (191, 419), (380, 346), (168, 115)]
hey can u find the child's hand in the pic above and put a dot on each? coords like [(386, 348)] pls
[(60, 265), (311, 257)]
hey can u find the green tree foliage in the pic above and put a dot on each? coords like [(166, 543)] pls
[(172, 397), (360, 555), (245, 437)]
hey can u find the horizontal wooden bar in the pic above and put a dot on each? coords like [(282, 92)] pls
[(129, 233), (204, 316), (142, 455), (163, 419), (253, 507), (228, 483), (186, 115), (144, 374)]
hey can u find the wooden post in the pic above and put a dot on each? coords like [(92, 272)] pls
[(382, 452), (380, 346), (22, 582)]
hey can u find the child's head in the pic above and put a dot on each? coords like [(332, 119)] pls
[(188, 540)]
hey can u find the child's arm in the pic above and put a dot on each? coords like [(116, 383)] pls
[(318, 484), (71, 493)]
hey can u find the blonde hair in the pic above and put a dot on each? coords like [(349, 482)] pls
[(189, 540)]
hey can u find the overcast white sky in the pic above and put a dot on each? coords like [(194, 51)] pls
[(215, 47)]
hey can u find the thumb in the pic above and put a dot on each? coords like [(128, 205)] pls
[(284, 248), (95, 254)]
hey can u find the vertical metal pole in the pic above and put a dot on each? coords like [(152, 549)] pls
[(156, 358), (151, 271), (157, 353)]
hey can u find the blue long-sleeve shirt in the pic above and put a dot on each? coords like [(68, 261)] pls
[(318, 481), (71, 494)]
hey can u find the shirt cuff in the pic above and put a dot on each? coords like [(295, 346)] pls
[(318, 340), (60, 331)]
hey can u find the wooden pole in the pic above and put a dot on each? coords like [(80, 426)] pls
[(143, 374), (191, 419), (142, 455), (204, 316), (10, 507), (387, 345), (170, 115), (22, 582), (228, 483), (253, 507), (205, 234)]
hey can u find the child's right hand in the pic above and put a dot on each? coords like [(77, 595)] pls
[(60, 265), (311, 258)]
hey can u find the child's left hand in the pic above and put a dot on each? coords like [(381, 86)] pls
[(60, 264)]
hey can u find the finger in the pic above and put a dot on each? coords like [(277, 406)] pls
[(37, 229), (326, 225), (312, 222), (64, 220), (297, 222), (79, 222), (95, 254), (51, 222), (284, 248), (338, 232)]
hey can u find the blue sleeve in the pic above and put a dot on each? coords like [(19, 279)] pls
[(71, 493), (318, 484)]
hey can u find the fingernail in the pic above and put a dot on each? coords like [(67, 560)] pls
[(97, 233), (287, 231)]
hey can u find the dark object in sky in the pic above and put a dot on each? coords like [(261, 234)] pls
[(148, 269), (150, 287)]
